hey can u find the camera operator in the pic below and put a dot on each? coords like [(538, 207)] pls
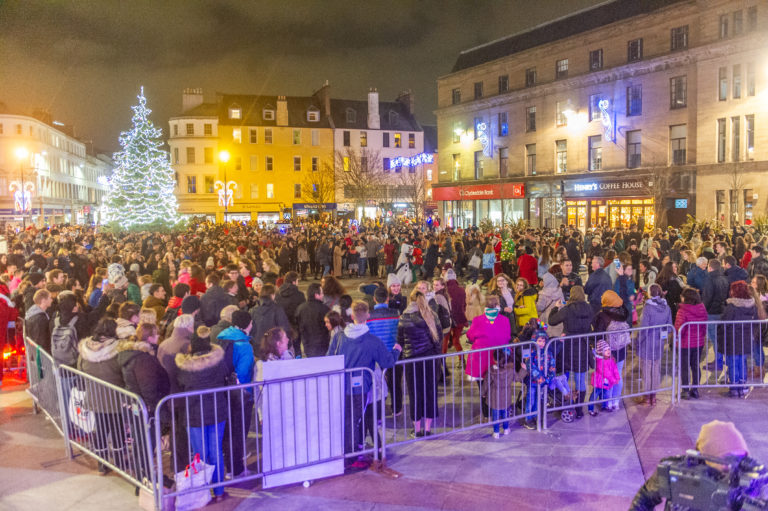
[(716, 439)]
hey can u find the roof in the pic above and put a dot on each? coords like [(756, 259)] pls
[(577, 23), (430, 138), (254, 106), (201, 110), (393, 115)]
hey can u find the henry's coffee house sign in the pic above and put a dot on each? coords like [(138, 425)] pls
[(608, 187)]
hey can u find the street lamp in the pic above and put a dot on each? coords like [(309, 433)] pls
[(224, 158), (22, 153)]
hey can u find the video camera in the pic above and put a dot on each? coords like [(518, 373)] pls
[(697, 482)]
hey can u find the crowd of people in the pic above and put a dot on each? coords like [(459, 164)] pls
[(205, 308)]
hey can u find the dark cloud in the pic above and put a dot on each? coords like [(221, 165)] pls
[(84, 60)]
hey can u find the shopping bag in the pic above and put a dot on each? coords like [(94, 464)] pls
[(196, 475), (475, 261), (147, 498), (78, 414)]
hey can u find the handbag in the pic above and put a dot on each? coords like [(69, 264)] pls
[(199, 477), (147, 499)]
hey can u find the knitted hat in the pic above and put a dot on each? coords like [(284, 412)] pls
[(541, 332), (135, 268), (116, 275), (35, 278), (256, 282), (190, 304), (602, 346), (718, 438), (209, 262), (393, 279), (611, 299), (241, 319)]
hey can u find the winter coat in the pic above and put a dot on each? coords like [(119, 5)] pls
[(398, 302), (550, 297), (177, 342), (538, 372), (650, 343), (238, 353), (361, 348), (211, 304), (99, 359), (414, 335), (458, 299), (485, 334), (758, 265), (201, 372), (576, 319), (606, 373), (142, 373), (289, 298), (219, 327), (497, 385), (735, 273), (602, 323), (738, 338), (528, 268), (8, 314), (267, 315), (382, 323), (696, 277), (525, 307), (134, 293), (598, 283), (691, 336), (313, 335), (37, 326), (625, 288), (672, 290), (715, 292), (157, 304)]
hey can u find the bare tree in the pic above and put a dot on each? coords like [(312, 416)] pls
[(319, 185), (358, 175), (413, 189)]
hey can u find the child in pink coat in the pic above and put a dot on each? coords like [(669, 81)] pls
[(604, 377)]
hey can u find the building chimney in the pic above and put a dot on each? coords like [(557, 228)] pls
[(405, 98), (282, 111), (323, 95), (191, 98), (374, 121)]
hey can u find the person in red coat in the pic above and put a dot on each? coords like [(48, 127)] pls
[(497, 250), (528, 267), (8, 315)]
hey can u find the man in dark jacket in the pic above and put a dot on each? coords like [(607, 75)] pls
[(289, 297), (758, 264), (324, 257), (213, 300), (573, 251), (714, 293), (310, 324), (37, 322), (733, 271), (267, 314), (598, 283), (569, 278)]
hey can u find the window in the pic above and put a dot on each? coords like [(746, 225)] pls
[(503, 161), (560, 118), (752, 18), (530, 118), (207, 129), (634, 158), (297, 191), (503, 124), (721, 140), (268, 114), (456, 166), (722, 84), (254, 162), (411, 140), (191, 184), (429, 174), (678, 38), (751, 79), (19, 129), (478, 164), (735, 139), (267, 135), (677, 143), (503, 83), (723, 26), (190, 128), (530, 159), (175, 130), (749, 121), (345, 163), (398, 140), (315, 164), (596, 60), (351, 116), (296, 137), (561, 156), (736, 81), (237, 135), (176, 155), (720, 203), (297, 163), (457, 131), (385, 164), (268, 163), (253, 135), (234, 112), (208, 155), (634, 50), (455, 96), (385, 139), (313, 116), (238, 163), (594, 107), (478, 90), (596, 152), (254, 191), (561, 69), (634, 100), (738, 22), (208, 184), (363, 139), (270, 191), (678, 92), (190, 155), (530, 77)]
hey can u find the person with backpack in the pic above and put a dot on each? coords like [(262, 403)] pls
[(37, 322), (71, 325), (612, 319)]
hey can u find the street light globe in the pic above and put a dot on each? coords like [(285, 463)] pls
[(21, 153), (224, 156)]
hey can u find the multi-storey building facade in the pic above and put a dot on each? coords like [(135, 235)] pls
[(47, 175), (625, 110)]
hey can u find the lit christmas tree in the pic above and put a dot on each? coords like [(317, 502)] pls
[(141, 188)]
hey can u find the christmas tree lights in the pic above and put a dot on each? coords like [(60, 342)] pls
[(141, 188)]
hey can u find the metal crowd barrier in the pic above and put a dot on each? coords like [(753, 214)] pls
[(648, 367), (717, 354), (291, 429), (43, 377)]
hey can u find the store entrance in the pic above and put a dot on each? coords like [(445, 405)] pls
[(612, 213)]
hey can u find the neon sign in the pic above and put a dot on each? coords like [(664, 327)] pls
[(226, 192), (591, 187), (413, 161), (22, 195), (485, 141), (605, 117)]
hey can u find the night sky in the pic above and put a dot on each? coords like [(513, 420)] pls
[(85, 60)]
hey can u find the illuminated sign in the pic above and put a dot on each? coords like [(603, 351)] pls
[(591, 187), (22, 195), (226, 192), (412, 161), (681, 203), (605, 117), (485, 141)]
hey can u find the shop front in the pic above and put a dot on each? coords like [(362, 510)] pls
[(302, 210), (545, 204), (609, 202), (467, 205)]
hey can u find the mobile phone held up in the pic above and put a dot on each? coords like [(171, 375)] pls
[(617, 263)]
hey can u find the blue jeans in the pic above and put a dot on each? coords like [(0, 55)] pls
[(361, 266), (737, 369), (598, 394), (615, 392), (532, 404), (579, 381), (712, 336), (757, 353), (207, 441), (498, 415)]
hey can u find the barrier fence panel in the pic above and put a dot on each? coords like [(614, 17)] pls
[(109, 424), (42, 375), (442, 394), (645, 363), (716, 354), (283, 430)]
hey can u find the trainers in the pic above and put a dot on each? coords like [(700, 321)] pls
[(723, 376), (593, 413), (529, 425), (495, 435), (506, 432)]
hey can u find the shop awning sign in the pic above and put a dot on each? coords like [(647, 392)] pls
[(485, 191)]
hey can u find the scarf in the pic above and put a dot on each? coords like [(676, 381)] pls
[(491, 314)]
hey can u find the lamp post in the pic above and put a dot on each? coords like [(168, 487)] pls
[(224, 158), (22, 153)]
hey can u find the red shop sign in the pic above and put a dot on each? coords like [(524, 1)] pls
[(488, 191)]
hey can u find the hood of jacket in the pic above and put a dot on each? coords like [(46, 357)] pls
[(234, 334), (153, 301), (34, 311), (744, 303), (129, 349), (615, 313), (124, 328), (354, 330), (289, 290), (550, 282), (197, 363), (531, 291), (656, 301), (95, 351)]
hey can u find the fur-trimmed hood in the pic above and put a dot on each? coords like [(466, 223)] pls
[(133, 345), (125, 329), (744, 303), (197, 363), (95, 351)]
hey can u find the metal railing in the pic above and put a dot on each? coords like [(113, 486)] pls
[(43, 376)]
